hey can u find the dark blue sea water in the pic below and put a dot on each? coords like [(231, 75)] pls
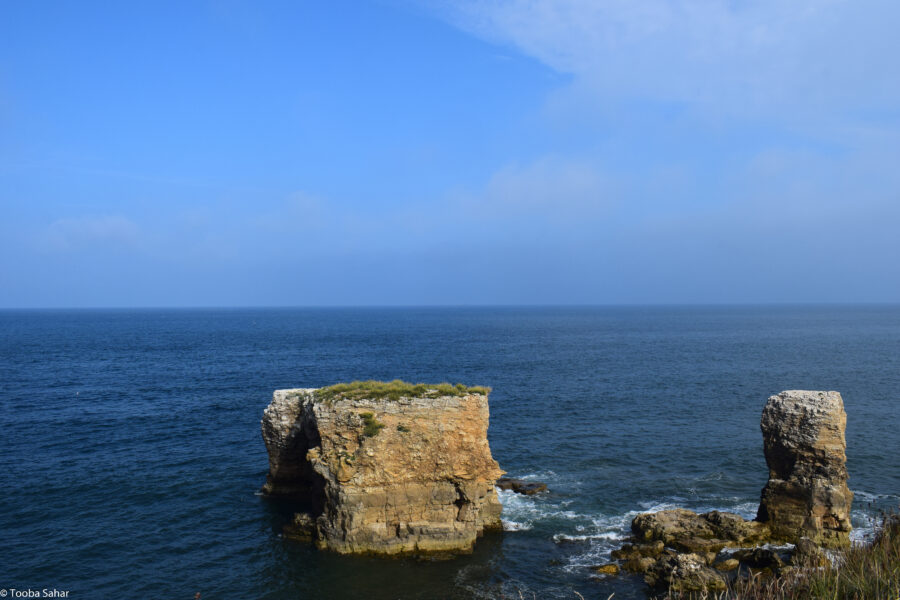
[(131, 453)]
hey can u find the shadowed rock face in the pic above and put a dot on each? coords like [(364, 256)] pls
[(383, 476), (807, 493)]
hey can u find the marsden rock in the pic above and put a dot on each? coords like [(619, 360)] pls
[(388, 476), (804, 444)]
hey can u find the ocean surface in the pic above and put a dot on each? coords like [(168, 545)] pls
[(131, 455)]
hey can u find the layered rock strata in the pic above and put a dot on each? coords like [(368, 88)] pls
[(384, 475), (807, 493)]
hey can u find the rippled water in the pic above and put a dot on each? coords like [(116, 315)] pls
[(131, 453)]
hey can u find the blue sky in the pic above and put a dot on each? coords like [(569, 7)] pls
[(406, 153)]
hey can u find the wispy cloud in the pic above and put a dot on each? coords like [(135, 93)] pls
[(551, 187), (733, 56), (75, 233)]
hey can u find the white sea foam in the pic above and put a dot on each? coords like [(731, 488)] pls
[(528, 509), (865, 522), (864, 526), (863, 496), (607, 535), (607, 532), (590, 536), (547, 475), (515, 525)]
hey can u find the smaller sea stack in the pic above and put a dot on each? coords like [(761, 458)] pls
[(805, 449)]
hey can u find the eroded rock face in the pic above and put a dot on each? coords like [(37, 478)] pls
[(807, 493), (385, 476)]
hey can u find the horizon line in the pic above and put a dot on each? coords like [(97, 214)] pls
[(445, 306)]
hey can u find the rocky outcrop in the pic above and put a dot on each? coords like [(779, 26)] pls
[(685, 574), (686, 531), (388, 474), (681, 551), (807, 493), (805, 502), (520, 486)]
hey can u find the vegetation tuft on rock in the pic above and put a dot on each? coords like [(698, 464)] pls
[(394, 390), (372, 426)]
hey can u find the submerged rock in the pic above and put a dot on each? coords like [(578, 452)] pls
[(629, 551), (520, 486), (805, 448), (607, 569), (301, 528), (384, 475)]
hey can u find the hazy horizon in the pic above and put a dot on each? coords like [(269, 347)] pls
[(415, 153), (660, 305)]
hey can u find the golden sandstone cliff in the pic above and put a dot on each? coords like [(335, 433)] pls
[(384, 468)]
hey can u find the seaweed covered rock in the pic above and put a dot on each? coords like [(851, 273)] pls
[(384, 468), (807, 493)]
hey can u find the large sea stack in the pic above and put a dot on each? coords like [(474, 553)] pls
[(384, 468), (807, 493)]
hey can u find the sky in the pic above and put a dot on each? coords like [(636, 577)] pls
[(404, 152)]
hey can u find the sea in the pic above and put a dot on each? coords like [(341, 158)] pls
[(131, 457)]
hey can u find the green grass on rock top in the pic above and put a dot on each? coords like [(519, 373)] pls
[(394, 390)]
